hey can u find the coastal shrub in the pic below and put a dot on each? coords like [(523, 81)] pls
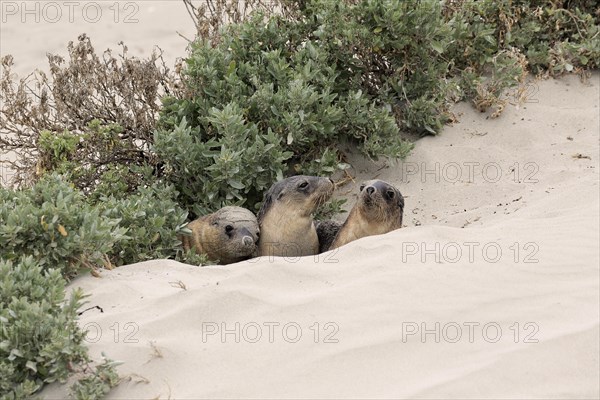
[(97, 383), (153, 220), (276, 91), (97, 160), (39, 339), (93, 112), (210, 16), (557, 36), (53, 223), (61, 228), (211, 174)]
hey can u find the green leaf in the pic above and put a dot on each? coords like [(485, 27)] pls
[(236, 184), (231, 68), (14, 353), (437, 46), (31, 365)]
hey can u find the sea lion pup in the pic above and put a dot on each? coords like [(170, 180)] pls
[(378, 210), (228, 235), (285, 218)]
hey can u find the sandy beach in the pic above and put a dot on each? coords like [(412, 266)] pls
[(490, 290)]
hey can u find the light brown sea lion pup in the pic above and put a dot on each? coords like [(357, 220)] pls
[(378, 210), (228, 235), (285, 218)]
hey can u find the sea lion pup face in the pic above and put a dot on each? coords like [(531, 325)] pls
[(228, 235), (382, 203), (379, 210), (285, 218), (233, 234)]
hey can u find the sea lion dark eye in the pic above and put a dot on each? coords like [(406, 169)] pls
[(303, 185), (257, 235), (391, 194), (228, 228), (361, 188)]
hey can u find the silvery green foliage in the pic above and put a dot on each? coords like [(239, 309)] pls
[(153, 220), (556, 37), (39, 338), (97, 384), (53, 223), (235, 169), (61, 228), (270, 99)]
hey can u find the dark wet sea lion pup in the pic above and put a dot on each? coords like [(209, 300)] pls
[(378, 210), (285, 218), (228, 235)]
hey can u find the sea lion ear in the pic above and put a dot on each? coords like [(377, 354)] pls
[(401, 205), (216, 221), (400, 199), (280, 195)]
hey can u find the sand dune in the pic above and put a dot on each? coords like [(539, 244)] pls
[(433, 310)]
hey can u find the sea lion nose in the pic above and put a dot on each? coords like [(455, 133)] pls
[(247, 241), (370, 190)]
